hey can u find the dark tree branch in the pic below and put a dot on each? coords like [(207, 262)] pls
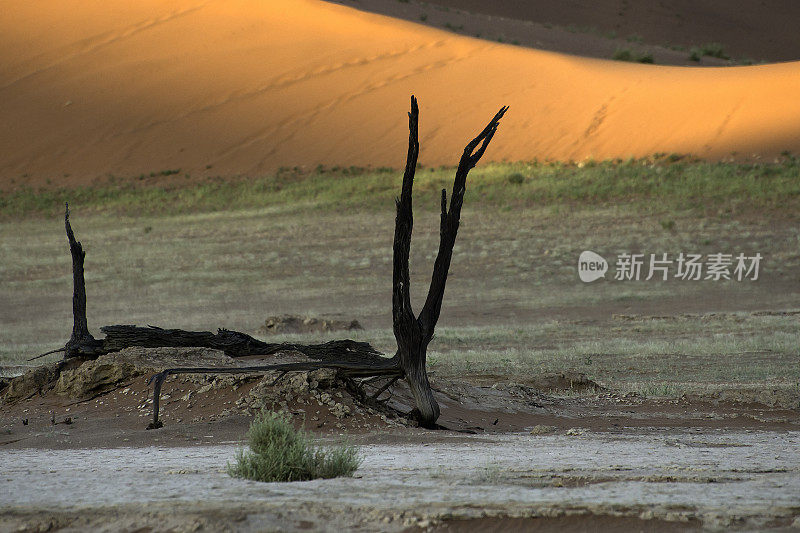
[(450, 221), (386, 386), (80, 328), (63, 349), (402, 313)]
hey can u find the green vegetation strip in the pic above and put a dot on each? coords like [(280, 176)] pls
[(656, 184)]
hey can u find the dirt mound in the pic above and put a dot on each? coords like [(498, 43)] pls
[(317, 399), (115, 369), (574, 381), (82, 378), (774, 398), (36, 381), (299, 324)]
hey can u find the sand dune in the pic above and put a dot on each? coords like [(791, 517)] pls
[(758, 29), (93, 88)]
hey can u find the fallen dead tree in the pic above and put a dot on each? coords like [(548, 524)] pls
[(348, 357)]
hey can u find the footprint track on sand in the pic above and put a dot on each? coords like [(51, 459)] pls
[(722, 127), (287, 80), (300, 121), (98, 42)]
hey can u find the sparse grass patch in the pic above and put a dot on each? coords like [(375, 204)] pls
[(622, 54), (664, 358), (666, 181), (516, 178), (279, 452), (714, 50), (709, 49), (626, 54)]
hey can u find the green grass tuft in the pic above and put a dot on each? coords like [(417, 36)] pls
[(626, 54), (709, 49), (714, 50), (279, 452), (516, 178)]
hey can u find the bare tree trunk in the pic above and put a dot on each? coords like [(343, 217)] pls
[(81, 343), (414, 334)]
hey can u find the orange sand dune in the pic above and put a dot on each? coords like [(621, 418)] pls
[(93, 87)]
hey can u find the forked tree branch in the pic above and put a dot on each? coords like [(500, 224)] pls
[(450, 220), (402, 313)]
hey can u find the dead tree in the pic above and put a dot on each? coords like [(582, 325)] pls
[(349, 358), (81, 342), (414, 333)]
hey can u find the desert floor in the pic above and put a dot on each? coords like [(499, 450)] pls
[(617, 404)]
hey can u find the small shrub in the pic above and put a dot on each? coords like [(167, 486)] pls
[(708, 49), (625, 54), (279, 452), (714, 50), (516, 178), (622, 54)]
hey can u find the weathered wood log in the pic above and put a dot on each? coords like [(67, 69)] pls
[(233, 343)]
